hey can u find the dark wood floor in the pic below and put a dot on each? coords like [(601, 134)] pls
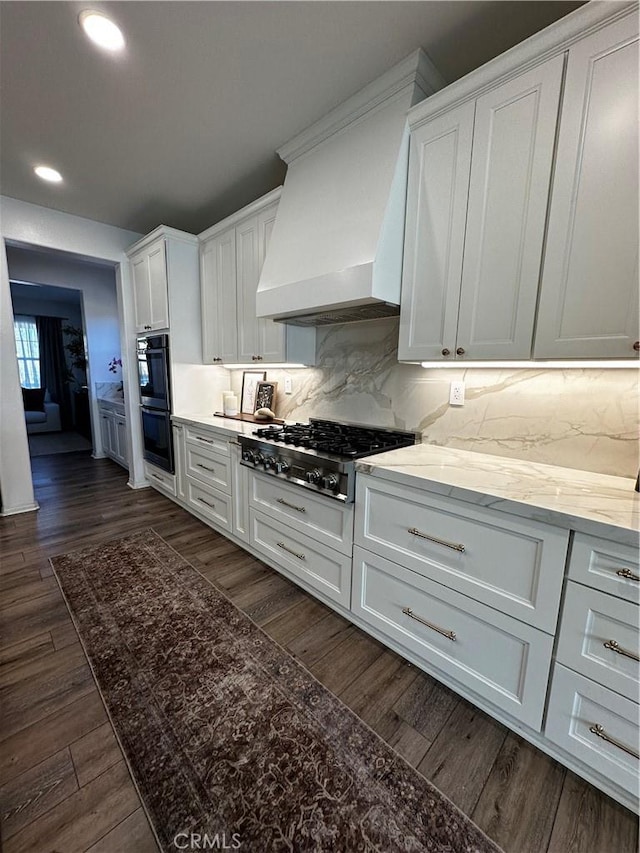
[(64, 785)]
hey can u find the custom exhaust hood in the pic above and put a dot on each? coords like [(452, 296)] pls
[(335, 253)]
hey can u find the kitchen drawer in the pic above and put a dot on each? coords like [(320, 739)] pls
[(591, 621), (605, 565), (203, 439), (321, 568), (327, 520), (160, 479), (209, 467), (214, 505), (576, 705), (495, 656), (514, 565)]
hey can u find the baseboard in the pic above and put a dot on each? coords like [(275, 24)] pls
[(31, 507)]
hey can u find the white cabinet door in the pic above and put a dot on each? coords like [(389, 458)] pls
[(105, 433), (513, 141), (120, 426), (218, 294), (158, 294), (141, 293), (179, 462), (247, 274), (439, 164), (239, 495), (589, 296), (271, 336)]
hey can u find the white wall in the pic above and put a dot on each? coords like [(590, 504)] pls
[(34, 226)]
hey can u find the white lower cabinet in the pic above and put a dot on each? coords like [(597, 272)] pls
[(113, 432), (213, 504), (512, 564), (239, 495), (302, 558), (493, 655), (160, 479), (596, 726), (179, 462)]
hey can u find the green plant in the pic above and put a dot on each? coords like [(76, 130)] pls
[(75, 347)]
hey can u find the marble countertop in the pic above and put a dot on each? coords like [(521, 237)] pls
[(112, 402), (225, 425), (598, 504)]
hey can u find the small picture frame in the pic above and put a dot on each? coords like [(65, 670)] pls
[(250, 380), (265, 395)]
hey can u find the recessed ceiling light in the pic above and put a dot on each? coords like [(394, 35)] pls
[(101, 30), (48, 174)]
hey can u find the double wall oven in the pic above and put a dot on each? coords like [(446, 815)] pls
[(155, 400)]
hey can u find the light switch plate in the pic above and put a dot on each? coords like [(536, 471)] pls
[(288, 385)]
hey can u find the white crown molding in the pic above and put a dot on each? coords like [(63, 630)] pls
[(538, 48), (240, 215), (165, 232), (415, 70)]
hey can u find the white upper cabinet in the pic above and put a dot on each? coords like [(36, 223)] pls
[(589, 295), (479, 179), (218, 291), (439, 165), (149, 271), (231, 257)]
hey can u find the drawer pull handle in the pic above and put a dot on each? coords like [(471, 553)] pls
[(206, 440), (628, 574), (289, 551), (202, 501), (454, 545), (291, 506), (206, 468), (597, 729), (613, 645), (450, 635)]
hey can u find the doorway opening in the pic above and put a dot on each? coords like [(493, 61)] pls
[(67, 334)]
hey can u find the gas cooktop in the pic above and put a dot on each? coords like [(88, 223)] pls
[(320, 454)]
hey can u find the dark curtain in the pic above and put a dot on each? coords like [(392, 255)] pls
[(53, 366)]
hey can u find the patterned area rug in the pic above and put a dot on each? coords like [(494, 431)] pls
[(227, 736)]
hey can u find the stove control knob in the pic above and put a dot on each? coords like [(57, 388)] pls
[(269, 462), (330, 482), (258, 458), (247, 455), (313, 477), (281, 467)]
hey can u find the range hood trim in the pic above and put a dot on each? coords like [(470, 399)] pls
[(417, 69)]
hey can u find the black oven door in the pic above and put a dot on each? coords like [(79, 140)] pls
[(153, 372), (156, 435)]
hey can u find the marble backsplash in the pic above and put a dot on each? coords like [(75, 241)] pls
[(578, 418)]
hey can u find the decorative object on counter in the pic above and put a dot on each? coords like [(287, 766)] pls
[(264, 414), (250, 381), (266, 395), (250, 419), (265, 753), (115, 364), (230, 403)]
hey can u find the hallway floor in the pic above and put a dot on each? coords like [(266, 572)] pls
[(64, 784)]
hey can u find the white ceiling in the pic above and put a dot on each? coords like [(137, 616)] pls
[(182, 128)]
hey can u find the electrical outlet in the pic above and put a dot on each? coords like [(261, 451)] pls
[(456, 394), (288, 385)]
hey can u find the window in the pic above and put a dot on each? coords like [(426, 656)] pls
[(28, 351)]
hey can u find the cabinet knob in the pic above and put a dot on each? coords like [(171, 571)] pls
[(460, 351), (446, 351), (256, 358), (636, 346), (217, 359)]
